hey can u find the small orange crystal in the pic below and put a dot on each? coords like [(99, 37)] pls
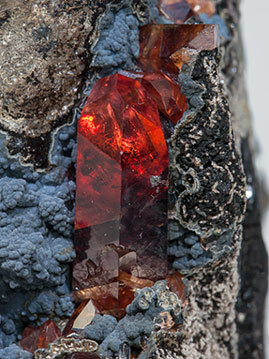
[(177, 11), (177, 285), (180, 11), (39, 337), (166, 48)]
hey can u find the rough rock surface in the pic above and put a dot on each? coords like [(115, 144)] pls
[(204, 154), (43, 61), (209, 329)]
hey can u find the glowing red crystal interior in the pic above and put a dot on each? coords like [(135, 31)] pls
[(166, 48), (121, 198), (164, 91), (181, 10), (34, 338)]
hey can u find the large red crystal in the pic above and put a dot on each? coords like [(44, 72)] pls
[(167, 47), (34, 338), (121, 198)]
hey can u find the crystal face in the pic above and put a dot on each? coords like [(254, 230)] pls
[(82, 316), (166, 48), (166, 93), (181, 10), (121, 199), (176, 10), (39, 337)]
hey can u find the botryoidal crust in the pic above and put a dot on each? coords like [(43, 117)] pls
[(212, 195), (36, 247), (152, 312), (207, 187)]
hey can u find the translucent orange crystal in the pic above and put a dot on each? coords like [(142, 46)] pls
[(34, 338), (178, 11), (165, 48)]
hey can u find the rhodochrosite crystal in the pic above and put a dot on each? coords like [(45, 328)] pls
[(181, 10), (121, 198), (166, 93), (39, 337), (167, 47)]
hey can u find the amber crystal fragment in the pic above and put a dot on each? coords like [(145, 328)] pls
[(164, 91), (81, 317), (167, 95), (34, 338), (165, 48), (179, 11), (177, 285), (121, 198)]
